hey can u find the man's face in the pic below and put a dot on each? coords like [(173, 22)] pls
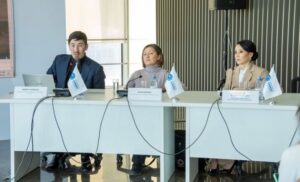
[(77, 49)]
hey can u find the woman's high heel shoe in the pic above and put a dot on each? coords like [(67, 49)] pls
[(213, 171)]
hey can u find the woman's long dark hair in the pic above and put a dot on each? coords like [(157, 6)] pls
[(249, 46)]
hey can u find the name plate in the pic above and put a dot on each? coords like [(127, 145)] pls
[(30, 92), (240, 96), (142, 94)]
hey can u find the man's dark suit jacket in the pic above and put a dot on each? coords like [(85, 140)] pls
[(92, 73)]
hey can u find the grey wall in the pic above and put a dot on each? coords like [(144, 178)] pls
[(39, 36), (192, 36)]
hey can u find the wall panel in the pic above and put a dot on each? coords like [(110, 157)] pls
[(192, 37)]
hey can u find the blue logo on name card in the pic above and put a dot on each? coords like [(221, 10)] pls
[(72, 77)]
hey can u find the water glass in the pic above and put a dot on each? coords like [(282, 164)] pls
[(115, 85), (143, 84)]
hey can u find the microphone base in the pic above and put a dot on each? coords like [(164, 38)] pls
[(122, 93), (61, 92)]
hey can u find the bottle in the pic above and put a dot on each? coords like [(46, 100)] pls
[(153, 83), (259, 83), (259, 86)]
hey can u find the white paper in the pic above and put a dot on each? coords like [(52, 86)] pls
[(145, 94), (30, 92)]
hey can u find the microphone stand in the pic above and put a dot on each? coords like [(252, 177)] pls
[(225, 55), (124, 92), (221, 84)]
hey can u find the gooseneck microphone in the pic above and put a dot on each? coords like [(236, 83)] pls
[(124, 92), (221, 84), (231, 78), (132, 81)]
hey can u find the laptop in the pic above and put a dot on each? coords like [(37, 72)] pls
[(39, 80)]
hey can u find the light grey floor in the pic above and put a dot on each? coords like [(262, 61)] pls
[(254, 171)]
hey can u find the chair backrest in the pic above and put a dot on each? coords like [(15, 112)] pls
[(295, 85)]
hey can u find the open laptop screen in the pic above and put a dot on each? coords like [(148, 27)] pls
[(39, 80)]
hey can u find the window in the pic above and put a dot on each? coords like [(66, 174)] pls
[(6, 39), (142, 30), (110, 56), (113, 42)]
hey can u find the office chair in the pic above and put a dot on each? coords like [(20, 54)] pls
[(295, 85)]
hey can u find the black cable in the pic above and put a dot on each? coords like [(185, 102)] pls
[(60, 132), (30, 140), (59, 129), (292, 139), (229, 133), (101, 122), (183, 150), (151, 162), (100, 127)]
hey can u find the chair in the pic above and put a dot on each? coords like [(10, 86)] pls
[(295, 85)]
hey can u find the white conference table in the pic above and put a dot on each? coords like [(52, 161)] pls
[(259, 131), (79, 121)]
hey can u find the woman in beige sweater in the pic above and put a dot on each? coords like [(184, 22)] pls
[(241, 77)]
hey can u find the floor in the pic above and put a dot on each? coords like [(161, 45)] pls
[(254, 171)]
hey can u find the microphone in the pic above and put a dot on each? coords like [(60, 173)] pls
[(221, 84), (222, 81), (69, 70), (124, 92), (132, 81)]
